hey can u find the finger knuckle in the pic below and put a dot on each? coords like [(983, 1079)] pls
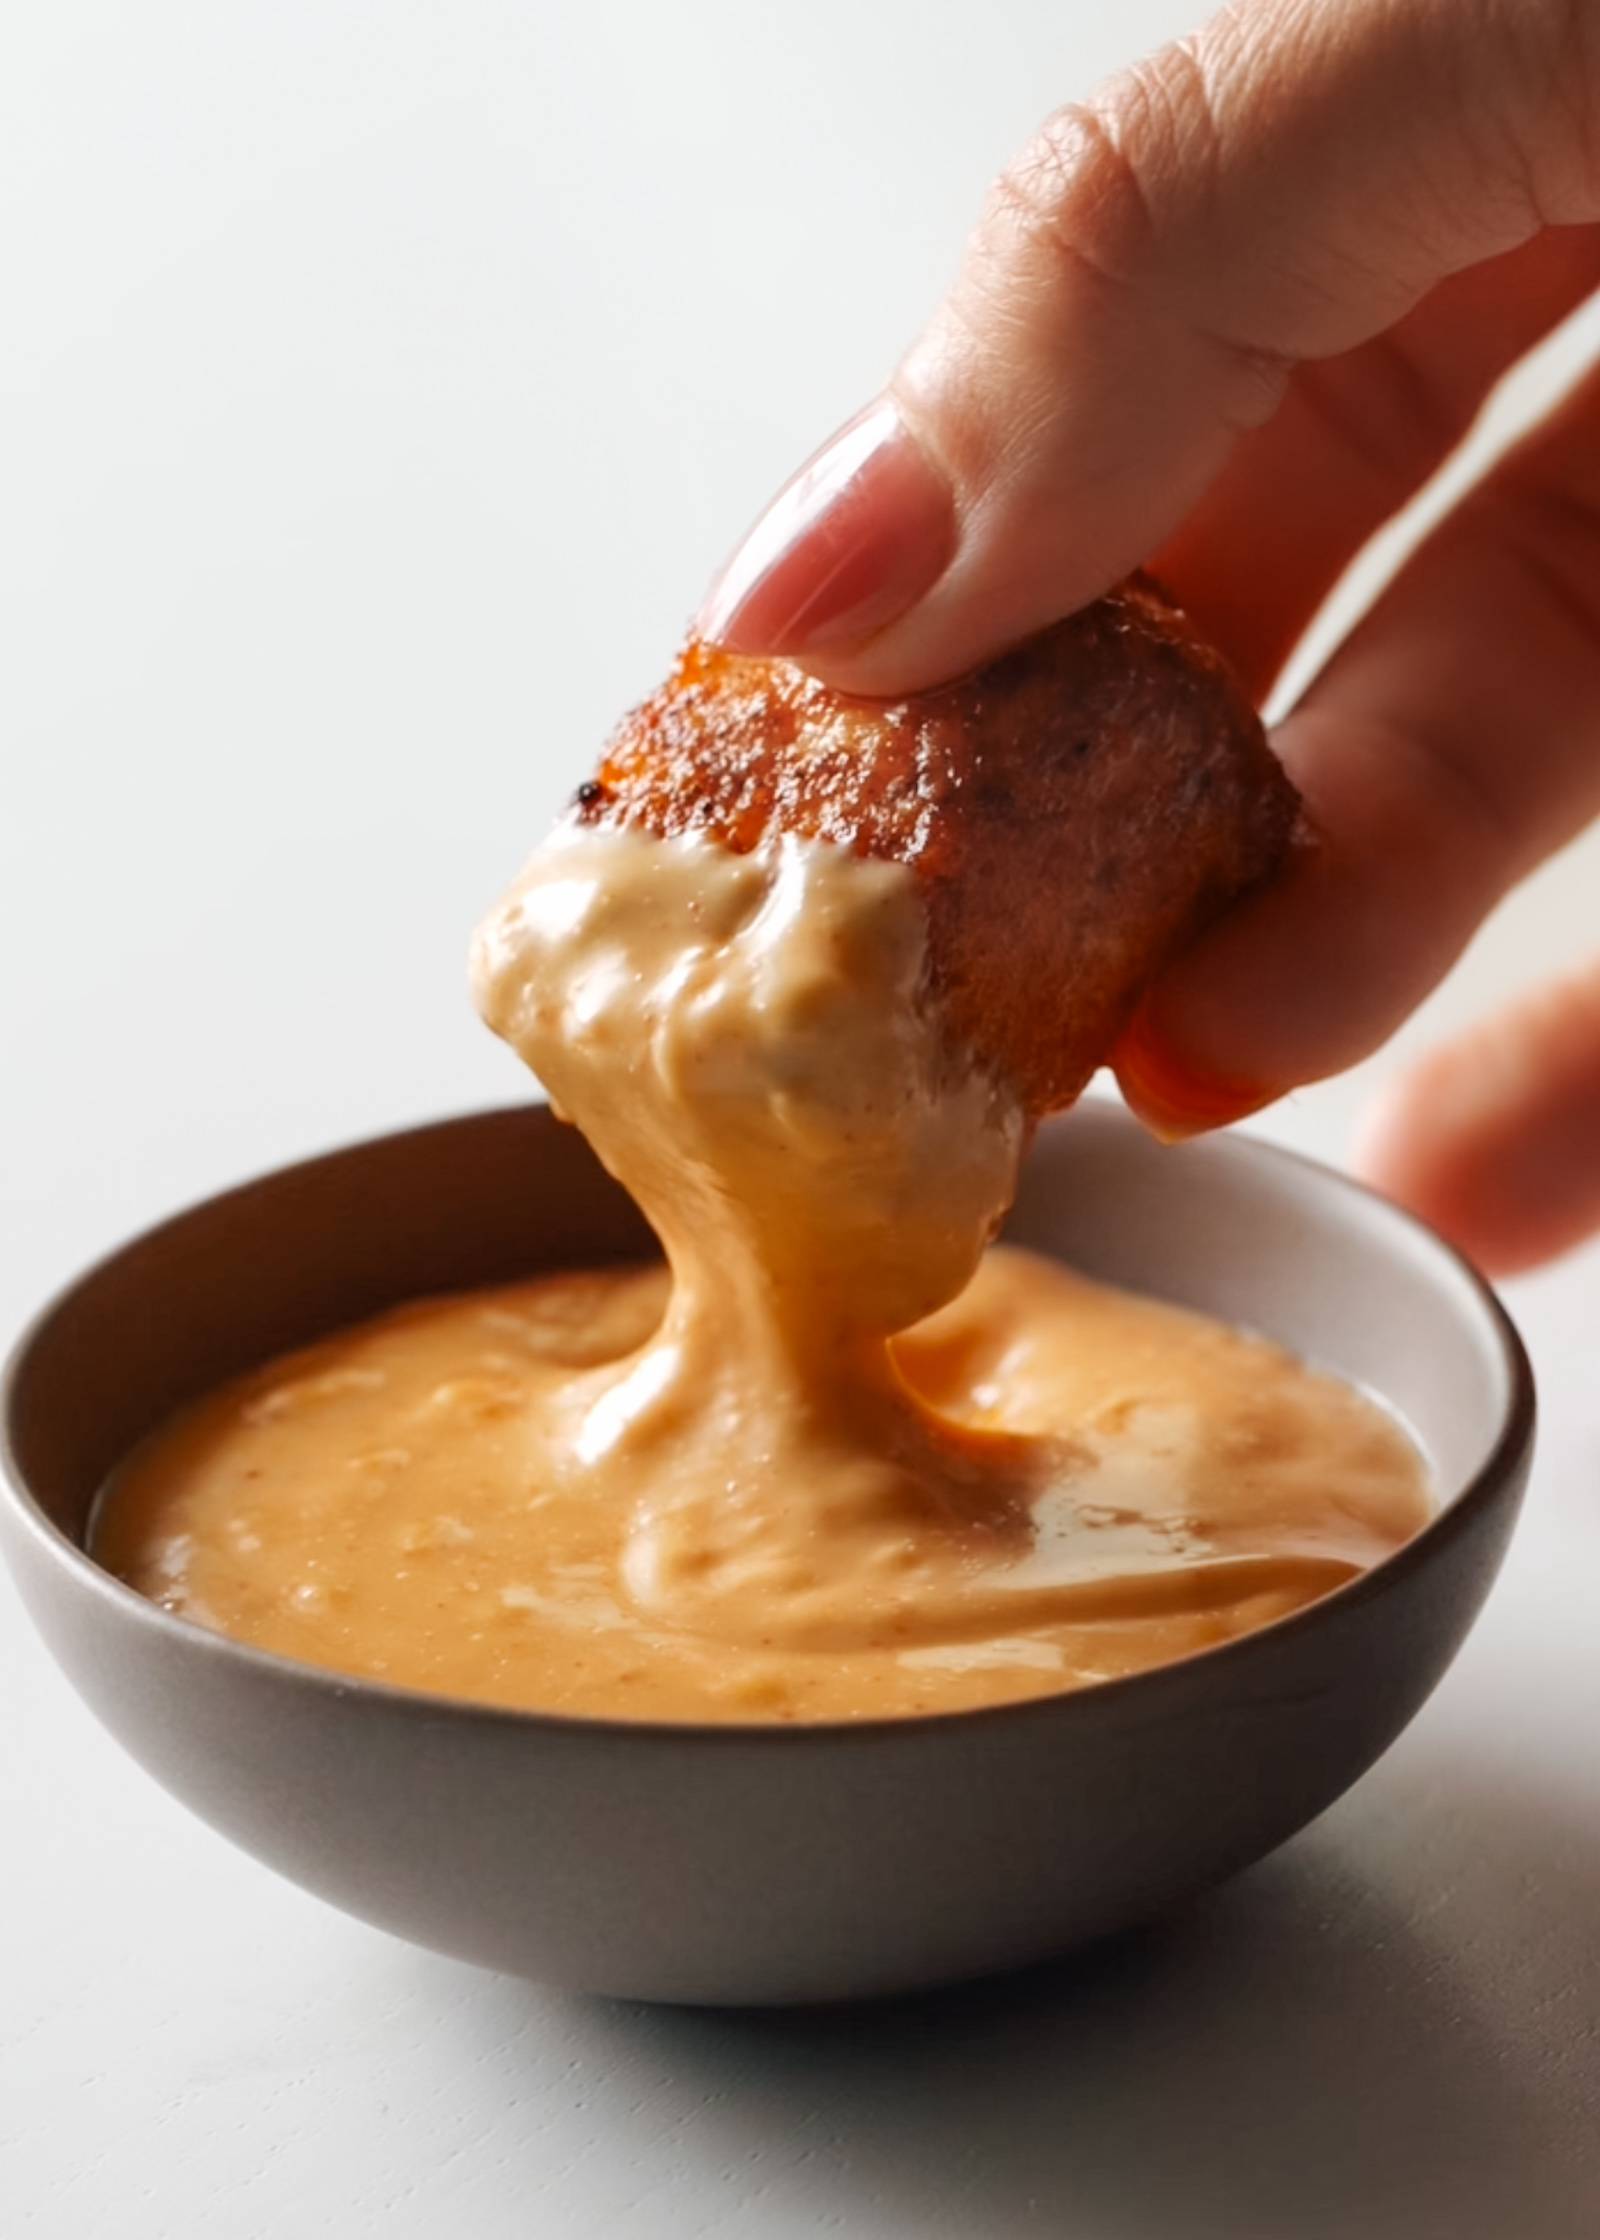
[(1068, 197), (1110, 194), (1086, 189), (1552, 115)]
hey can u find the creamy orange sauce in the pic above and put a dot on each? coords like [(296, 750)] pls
[(760, 1483), (401, 1501)]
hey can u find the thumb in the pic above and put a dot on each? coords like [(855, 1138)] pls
[(1282, 186)]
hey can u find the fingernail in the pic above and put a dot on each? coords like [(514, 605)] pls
[(863, 530), (1175, 1099)]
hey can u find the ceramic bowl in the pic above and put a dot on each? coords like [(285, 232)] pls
[(760, 1864)]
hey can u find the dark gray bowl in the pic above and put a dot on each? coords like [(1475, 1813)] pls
[(784, 1863)]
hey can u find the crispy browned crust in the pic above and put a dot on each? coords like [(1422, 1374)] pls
[(1075, 811)]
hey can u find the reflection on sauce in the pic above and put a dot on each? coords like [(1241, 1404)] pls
[(735, 1492)]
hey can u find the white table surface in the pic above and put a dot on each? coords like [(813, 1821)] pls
[(379, 386)]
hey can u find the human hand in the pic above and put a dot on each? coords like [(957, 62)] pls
[(1228, 316)]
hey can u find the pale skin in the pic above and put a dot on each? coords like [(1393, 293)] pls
[(1226, 317)]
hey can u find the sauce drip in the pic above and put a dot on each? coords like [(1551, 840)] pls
[(835, 1460)]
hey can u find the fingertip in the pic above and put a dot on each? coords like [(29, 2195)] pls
[(1173, 1096), (1408, 1148), (1405, 1146), (1494, 1138), (851, 543)]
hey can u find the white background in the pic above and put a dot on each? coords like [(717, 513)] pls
[(380, 385)]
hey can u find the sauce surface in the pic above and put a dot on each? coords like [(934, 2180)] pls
[(401, 1501), (760, 1483)]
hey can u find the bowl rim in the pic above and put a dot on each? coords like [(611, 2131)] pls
[(1509, 1449)]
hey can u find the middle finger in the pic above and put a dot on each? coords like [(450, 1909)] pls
[(1356, 436)]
